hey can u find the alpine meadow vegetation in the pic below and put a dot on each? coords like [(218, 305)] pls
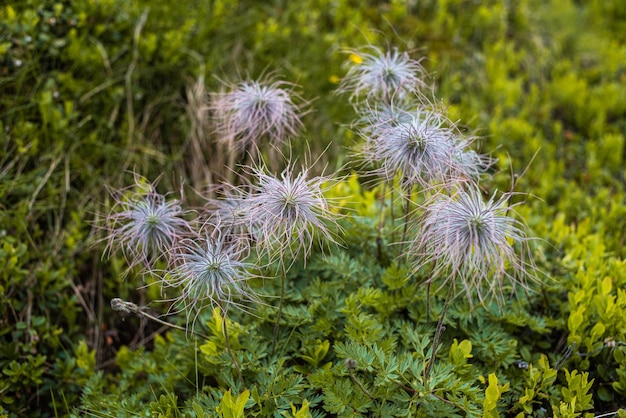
[(313, 209)]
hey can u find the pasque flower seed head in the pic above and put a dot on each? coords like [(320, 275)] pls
[(475, 241), (287, 213), (211, 271), (375, 120), (144, 226), (420, 148), (382, 76), (256, 110)]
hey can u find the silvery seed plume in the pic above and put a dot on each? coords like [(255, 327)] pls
[(256, 110), (229, 211), (467, 163), (474, 241), (383, 76), (421, 149), (212, 273), (144, 226), (288, 214), (375, 120)]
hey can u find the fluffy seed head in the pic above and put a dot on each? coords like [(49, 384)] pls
[(375, 120), (212, 272), (229, 211), (421, 148), (467, 163), (287, 213), (475, 241), (254, 110), (144, 226), (382, 76)]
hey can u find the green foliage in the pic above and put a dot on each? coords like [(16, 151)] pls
[(95, 89), (233, 407), (538, 386), (576, 398), (493, 392)]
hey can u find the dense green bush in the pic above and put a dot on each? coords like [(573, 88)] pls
[(93, 91)]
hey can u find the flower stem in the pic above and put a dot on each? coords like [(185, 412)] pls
[(118, 304), (280, 307), (407, 212), (438, 332), (227, 342), (360, 385), (428, 301), (381, 222)]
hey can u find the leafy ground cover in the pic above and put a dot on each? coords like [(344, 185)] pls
[(100, 95)]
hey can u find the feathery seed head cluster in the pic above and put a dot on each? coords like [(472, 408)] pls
[(405, 134), (475, 241), (383, 76), (282, 217), (229, 211), (254, 110), (421, 149), (374, 121), (286, 214), (145, 227), (212, 270), (467, 163)]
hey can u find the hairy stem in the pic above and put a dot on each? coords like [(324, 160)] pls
[(227, 341), (118, 304), (381, 222), (360, 385), (438, 333), (407, 212), (280, 307), (405, 387), (428, 301)]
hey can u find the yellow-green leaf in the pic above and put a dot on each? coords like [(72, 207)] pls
[(231, 407), (597, 331), (303, 412)]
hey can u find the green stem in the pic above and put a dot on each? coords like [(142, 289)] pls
[(407, 212), (118, 304), (280, 308), (227, 341), (428, 301), (360, 385), (381, 221), (438, 333)]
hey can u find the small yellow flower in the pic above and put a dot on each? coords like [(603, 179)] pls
[(334, 79), (355, 58)]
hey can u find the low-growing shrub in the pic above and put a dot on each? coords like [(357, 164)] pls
[(373, 307)]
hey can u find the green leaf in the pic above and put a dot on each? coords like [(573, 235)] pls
[(317, 354), (575, 319), (85, 359), (604, 394), (492, 395), (303, 412), (231, 407), (597, 331), (606, 286), (459, 352), (198, 410)]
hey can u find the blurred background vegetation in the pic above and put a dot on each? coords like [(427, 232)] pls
[(91, 91)]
